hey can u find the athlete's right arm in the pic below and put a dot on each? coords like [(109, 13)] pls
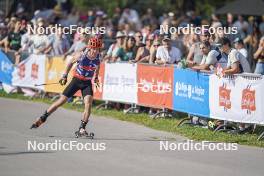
[(73, 60)]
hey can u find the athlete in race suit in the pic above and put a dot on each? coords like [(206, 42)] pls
[(87, 69)]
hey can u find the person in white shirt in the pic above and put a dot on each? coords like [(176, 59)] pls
[(239, 45), (237, 63), (210, 57), (167, 54)]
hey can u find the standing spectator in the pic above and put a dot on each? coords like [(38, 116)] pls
[(252, 42), (13, 41), (14, 38), (59, 43), (78, 45), (3, 34), (239, 45), (167, 54), (259, 56), (40, 41), (116, 50), (26, 40), (195, 54), (261, 26), (130, 16), (237, 63)]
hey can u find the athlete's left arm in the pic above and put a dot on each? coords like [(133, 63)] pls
[(97, 72)]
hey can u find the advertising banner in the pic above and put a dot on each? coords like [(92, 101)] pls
[(237, 99), (155, 86), (120, 82), (30, 72), (6, 69), (191, 92)]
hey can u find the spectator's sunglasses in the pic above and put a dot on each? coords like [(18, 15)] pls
[(156, 46), (139, 36)]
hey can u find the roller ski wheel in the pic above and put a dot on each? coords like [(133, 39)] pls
[(83, 133), (36, 124)]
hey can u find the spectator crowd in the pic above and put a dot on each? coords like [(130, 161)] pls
[(136, 38)]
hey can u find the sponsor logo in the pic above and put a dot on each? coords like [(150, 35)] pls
[(34, 71), (21, 71), (224, 97), (248, 101)]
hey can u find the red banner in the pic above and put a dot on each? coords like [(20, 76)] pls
[(155, 86)]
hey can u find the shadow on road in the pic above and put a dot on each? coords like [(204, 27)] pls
[(22, 153)]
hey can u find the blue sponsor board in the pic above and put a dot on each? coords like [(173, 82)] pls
[(6, 69), (191, 92)]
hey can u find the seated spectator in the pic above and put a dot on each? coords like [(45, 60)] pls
[(129, 49), (116, 50), (237, 63), (239, 45), (210, 57), (167, 54), (259, 56), (153, 51), (143, 53)]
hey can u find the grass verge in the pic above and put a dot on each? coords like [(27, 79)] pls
[(164, 124)]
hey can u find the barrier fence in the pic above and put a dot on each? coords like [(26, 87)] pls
[(237, 98)]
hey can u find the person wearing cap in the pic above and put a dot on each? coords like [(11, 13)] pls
[(167, 54), (86, 70), (116, 50), (237, 63), (195, 55), (239, 45)]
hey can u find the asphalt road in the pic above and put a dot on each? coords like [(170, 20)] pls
[(130, 149)]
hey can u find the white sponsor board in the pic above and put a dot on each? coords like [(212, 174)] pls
[(120, 82), (238, 99), (30, 72)]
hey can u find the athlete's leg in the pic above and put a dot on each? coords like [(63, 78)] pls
[(63, 99), (69, 91), (88, 100), (87, 93)]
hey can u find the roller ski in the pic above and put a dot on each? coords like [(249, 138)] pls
[(40, 121), (83, 133)]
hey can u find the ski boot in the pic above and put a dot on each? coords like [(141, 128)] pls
[(40, 120)]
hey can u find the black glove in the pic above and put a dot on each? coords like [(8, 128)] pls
[(63, 80)]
